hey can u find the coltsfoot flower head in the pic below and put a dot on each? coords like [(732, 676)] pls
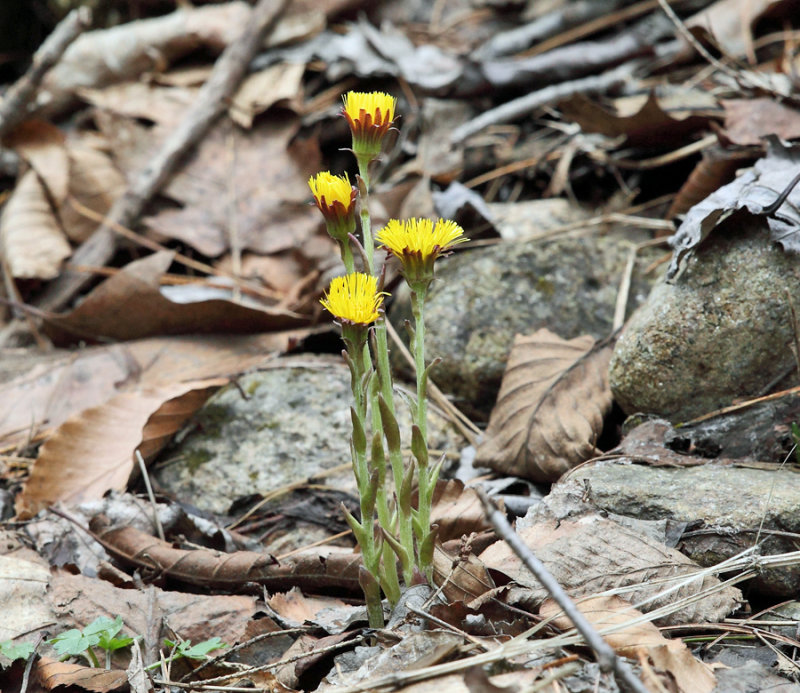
[(354, 299), (370, 115), (335, 197), (417, 243)]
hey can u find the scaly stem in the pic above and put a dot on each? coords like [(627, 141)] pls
[(426, 474), (365, 479), (417, 308), (404, 522)]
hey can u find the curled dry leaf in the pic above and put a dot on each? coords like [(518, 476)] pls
[(31, 239), (641, 641), (318, 569), (754, 191), (550, 409), (94, 451)]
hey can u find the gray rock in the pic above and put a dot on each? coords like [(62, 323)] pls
[(722, 331), (482, 298), (294, 424), (753, 677), (723, 503)]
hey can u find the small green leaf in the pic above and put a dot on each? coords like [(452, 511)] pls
[(112, 644), (198, 651), (73, 642), (16, 650)]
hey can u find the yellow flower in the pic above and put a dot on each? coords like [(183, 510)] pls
[(336, 199), (420, 236), (417, 243), (370, 115), (354, 298)]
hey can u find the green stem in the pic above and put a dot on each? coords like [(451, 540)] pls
[(347, 256), (366, 228), (417, 308)]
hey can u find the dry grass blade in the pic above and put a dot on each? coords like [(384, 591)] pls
[(550, 409)]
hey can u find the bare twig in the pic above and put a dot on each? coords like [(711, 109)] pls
[(624, 290), (29, 665), (211, 103), (14, 108), (150, 495), (517, 108), (518, 39), (606, 656)]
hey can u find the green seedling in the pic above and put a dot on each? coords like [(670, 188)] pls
[(185, 649), (102, 633)]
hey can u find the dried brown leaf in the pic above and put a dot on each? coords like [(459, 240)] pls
[(53, 673), (717, 168), (263, 89), (748, 121), (129, 305), (649, 125), (26, 607), (590, 554), (641, 641), (95, 183), (94, 451), (462, 578), (124, 52), (42, 145), (296, 607), (255, 181), (729, 23), (31, 239), (55, 389), (78, 599), (457, 510), (550, 408), (164, 105)]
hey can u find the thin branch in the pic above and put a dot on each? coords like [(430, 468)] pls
[(524, 105), (14, 107), (606, 656), (211, 102)]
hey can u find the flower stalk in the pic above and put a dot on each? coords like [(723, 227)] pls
[(390, 529)]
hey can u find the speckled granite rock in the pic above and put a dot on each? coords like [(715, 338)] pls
[(722, 331), (483, 297), (724, 503), (295, 423)]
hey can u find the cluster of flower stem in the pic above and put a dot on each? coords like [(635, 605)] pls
[(391, 529)]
